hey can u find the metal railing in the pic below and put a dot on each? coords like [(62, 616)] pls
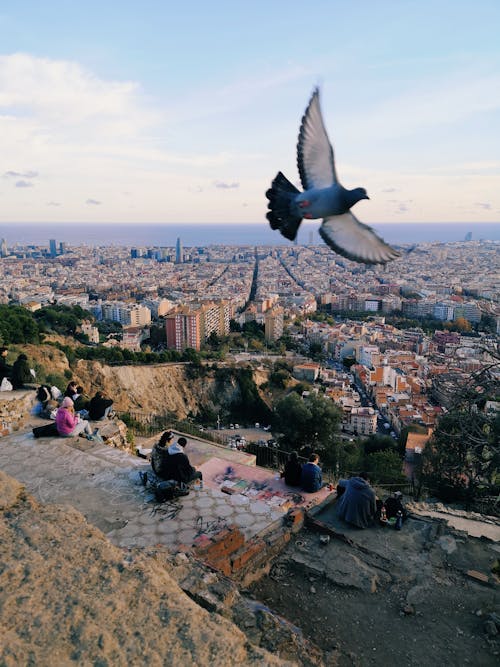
[(147, 424)]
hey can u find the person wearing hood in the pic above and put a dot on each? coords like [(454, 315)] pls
[(69, 424), (358, 503), (180, 468)]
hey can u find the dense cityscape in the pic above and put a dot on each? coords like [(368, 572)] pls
[(409, 331)]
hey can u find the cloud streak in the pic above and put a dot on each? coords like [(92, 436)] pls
[(20, 174), (222, 185)]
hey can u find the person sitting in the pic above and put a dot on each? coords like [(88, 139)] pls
[(99, 406), (175, 464), (311, 478), (293, 470), (5, 369), (358, 503), (81, 400), (21, 373), (43, 398), (70, 389), (68, 423), (393, 505)]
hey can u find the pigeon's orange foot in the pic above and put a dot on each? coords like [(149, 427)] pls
[(308, 216), (304, 204)]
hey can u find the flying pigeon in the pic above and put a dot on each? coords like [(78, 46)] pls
[(323, 197)]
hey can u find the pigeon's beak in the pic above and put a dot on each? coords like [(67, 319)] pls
[(366, 197)]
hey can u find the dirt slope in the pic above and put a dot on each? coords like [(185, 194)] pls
[(67, 596)]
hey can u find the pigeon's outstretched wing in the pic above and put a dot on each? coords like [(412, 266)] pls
[(314, 152), (354, 240)]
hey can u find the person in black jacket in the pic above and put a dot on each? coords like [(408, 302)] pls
[(293, 470), (176, 464), (21, 373), (99, 406)]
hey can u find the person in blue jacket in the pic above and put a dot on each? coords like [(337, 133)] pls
[(311, 479)]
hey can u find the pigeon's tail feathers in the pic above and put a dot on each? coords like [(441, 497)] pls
[(281, 195)]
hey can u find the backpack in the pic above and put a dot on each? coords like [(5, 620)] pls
[(159, 461), (169, 489)]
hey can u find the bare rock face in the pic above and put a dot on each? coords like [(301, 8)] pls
[(154, 388), (68, 596)]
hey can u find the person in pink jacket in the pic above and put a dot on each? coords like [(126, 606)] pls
[(68, 423)]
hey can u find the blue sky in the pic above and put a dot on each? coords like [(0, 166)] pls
[(183, 112)]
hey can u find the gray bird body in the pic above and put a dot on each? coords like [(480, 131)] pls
[(323, 197), (323, 202)]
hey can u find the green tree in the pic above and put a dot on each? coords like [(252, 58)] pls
[(378, 443), (461, 461), (384, 467), (61, 319), (316, 351), (248, 406), (308, 424), (17, 325), (279, 378)]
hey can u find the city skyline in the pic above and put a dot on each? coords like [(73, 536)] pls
[(185, 113)]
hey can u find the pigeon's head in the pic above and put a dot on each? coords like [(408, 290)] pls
[(360, 194), (356, 195)]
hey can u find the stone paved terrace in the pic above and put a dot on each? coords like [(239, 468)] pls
[(104, 485)]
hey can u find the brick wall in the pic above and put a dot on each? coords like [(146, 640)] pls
[(247, 560)]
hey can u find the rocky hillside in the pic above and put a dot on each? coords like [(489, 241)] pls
[(67, 596), (153, 388)]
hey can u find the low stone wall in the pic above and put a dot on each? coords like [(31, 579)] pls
[(15, 408)]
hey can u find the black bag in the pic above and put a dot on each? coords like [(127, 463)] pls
[(169, 489), (45, 431)]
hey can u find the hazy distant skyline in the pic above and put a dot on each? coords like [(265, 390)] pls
[(184, 112)]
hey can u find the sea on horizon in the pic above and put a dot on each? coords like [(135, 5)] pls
[(203, 234)]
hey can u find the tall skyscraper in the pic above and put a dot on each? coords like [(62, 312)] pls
[(179, 252), (3, 248), (53, 247)]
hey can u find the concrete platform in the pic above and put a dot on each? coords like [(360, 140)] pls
[(104, 485), (200, 451)]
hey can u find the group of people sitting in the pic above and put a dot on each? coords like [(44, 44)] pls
[(74, 409), (308, 476)]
